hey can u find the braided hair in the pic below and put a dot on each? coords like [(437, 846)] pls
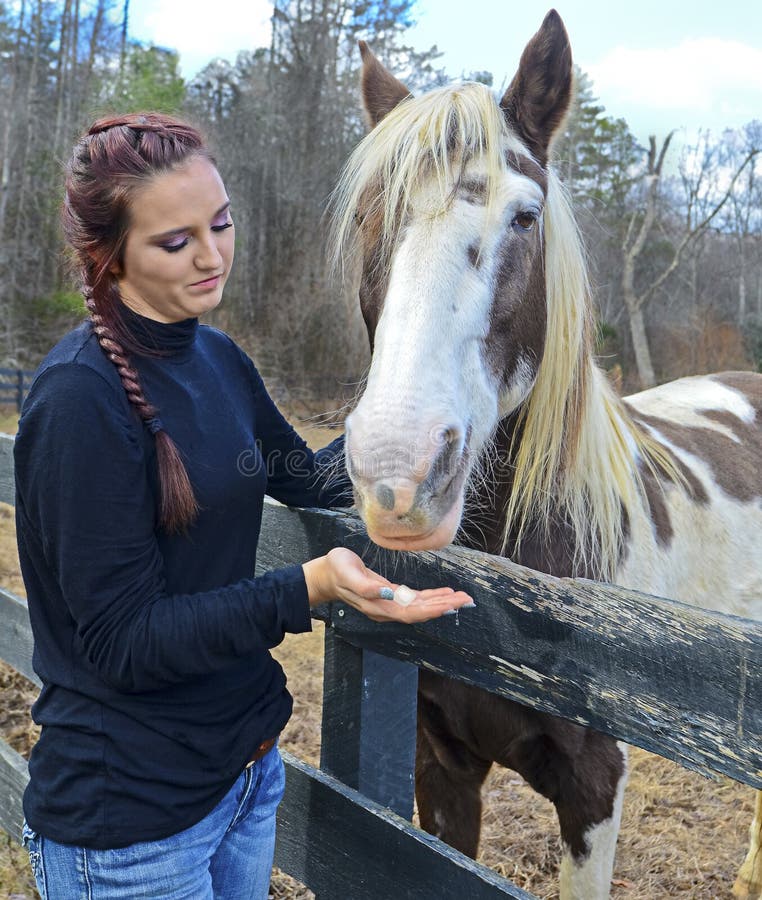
[(109, 163)]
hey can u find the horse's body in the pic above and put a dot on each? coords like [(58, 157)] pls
[(485, 417)]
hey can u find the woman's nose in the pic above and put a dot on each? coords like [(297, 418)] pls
[(208, 255)]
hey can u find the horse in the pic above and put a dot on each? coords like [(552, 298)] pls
[(485, 419)]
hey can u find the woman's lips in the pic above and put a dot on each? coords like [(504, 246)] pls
[(208, 282)]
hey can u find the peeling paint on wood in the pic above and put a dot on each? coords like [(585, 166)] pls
[(676, 680)]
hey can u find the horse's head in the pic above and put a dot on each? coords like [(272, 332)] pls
[(448, 195)]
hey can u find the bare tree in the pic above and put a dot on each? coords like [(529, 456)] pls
[(744, 216), (641, 224)]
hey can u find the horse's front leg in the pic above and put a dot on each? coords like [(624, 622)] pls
[(584, 774), (587, 864), (749, 882), (448, 782)]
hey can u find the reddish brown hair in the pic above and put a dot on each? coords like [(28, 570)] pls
[(109, 164)]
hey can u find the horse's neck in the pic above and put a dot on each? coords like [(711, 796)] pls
[(547, 549)]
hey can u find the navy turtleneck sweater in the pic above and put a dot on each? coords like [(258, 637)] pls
[(153, 648)]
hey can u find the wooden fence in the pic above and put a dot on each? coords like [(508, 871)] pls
[(670, 678), (14, 383)]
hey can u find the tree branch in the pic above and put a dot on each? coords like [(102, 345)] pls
[(694, 233)]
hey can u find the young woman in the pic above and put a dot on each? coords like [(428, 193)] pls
[(145, 448)]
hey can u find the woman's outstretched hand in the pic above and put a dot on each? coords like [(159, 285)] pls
[(342, 575)]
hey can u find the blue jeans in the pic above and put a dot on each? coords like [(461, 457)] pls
[(226, 856)]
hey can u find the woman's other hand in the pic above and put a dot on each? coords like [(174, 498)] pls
[(342, 575)]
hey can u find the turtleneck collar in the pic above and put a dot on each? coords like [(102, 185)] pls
[(169, 338)]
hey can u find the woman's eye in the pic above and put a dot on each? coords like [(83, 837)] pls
[(524, 221), (176, 245), (173, 248)]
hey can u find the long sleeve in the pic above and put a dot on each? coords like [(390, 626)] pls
[(85, 495), (296, 475)]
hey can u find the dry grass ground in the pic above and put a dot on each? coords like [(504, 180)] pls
[(682, 835)]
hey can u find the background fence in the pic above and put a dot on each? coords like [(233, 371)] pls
[(672, 679), (333, 390), (14, 383)]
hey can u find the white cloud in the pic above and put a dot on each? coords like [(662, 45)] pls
[(199, 32), (702, 75)]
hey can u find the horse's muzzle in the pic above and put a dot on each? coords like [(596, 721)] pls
[(415, 506)]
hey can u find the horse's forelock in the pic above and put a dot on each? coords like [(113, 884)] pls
[(435, 135)]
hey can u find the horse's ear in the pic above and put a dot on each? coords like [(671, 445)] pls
[(381, 91), (538, 97)]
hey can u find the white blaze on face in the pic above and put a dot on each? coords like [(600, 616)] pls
[(429, 370)]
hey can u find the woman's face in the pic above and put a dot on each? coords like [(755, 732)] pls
[(179, 246)]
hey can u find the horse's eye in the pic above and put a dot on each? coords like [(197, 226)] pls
[(524, 221)]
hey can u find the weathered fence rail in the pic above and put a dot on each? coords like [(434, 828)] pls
[(678, 681)]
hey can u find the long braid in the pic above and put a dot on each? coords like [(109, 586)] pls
[(178, 506), (118, 356), (108, 162)]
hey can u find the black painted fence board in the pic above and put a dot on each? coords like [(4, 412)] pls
[(676, 680), (342, 699), (672, 679), (369, 723), (345, 847)]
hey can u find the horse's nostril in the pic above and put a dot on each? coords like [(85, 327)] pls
[(446, 464)]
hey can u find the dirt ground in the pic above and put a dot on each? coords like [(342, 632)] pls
[(682, 835)]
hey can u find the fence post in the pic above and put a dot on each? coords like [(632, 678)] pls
[(369, 722)]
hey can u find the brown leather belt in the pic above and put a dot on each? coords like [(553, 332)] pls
[(264, 747)]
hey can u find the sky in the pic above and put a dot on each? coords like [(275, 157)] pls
[(659, 64)]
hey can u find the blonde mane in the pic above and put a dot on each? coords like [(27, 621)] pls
[(435, 134), (578, 453)]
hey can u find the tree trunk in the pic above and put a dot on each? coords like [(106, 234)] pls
[(95, 37), (9, 119), (61, 77), (640, 346), (123, 41)]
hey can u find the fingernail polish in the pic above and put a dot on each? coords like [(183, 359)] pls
[(449, 612), (470, 605)]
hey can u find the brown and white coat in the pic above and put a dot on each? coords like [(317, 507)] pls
[(486, 420)]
